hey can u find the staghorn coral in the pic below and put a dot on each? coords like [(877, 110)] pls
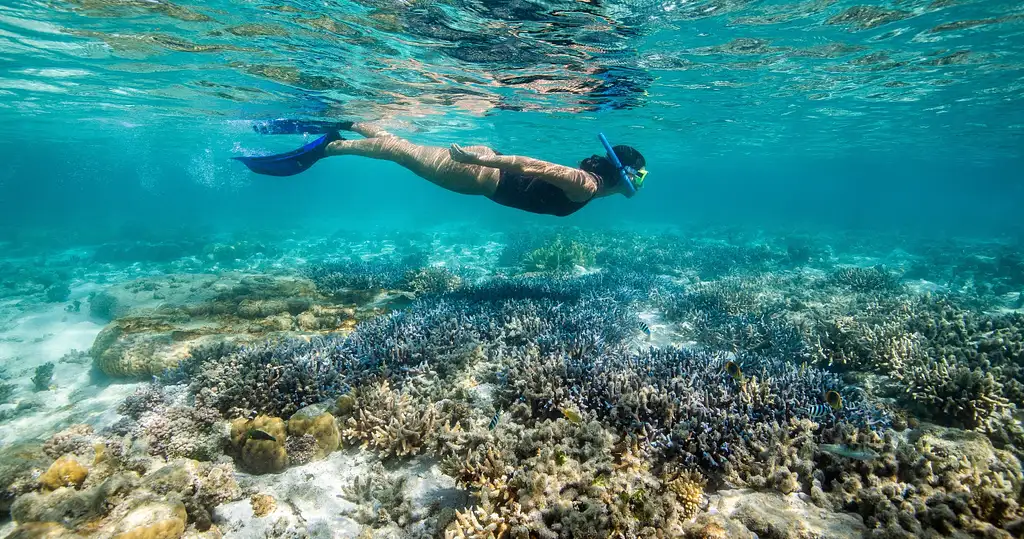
[(341, 277), (682, 399), (940, 483), (865, 279), (570, 479), (380, 498), (279, 377), (431, 280), (559, 256), (393, 422), (147, 398), (272, 377), (963, 396)]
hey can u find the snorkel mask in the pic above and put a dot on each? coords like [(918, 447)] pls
[(632, 178)]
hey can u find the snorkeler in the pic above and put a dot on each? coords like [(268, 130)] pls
[(517, 182)]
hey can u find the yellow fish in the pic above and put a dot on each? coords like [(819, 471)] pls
[(572, 415), (834, 400), (734, 370)]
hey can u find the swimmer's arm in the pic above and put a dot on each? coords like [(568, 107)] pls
[(577, 184)]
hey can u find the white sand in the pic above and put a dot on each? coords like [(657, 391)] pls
[(311, 499)]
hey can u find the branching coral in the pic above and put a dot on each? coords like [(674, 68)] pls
[(559, 255), (942, 483), (42, 377), (392, 422), (338, 277), (866, 279), (380, 498), (962, 395), (431, 280)]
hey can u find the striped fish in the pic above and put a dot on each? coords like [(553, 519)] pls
[(819, 410), (645, 328), (494, 420)]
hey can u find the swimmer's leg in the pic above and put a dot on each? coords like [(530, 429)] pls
[(429, 162)]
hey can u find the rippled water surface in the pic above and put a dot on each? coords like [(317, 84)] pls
[(729, 73)]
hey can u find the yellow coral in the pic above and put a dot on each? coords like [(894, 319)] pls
[(688, 487), (262, 504), (321, 427), (260, 456), (64, 472)]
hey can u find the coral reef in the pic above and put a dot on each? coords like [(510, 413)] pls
[(804, 371), (108, 484), (938, 483), (147, 342), (43, 376)]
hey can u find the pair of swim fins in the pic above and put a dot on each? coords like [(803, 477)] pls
[(299, 160)]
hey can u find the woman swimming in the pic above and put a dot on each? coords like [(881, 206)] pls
[(518, 182)]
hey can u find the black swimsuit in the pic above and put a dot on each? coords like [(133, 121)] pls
[(534, 195)]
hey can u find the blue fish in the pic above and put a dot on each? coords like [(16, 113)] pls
[(494, 420)]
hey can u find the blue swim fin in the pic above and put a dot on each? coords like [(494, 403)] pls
[(293, 162)]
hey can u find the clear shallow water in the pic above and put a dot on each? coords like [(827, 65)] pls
[(899, 115)]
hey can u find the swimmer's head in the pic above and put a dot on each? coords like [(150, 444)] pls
[(632, 161)]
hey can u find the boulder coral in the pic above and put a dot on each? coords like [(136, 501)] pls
[(260, 455), (156, 519), (320, 426), (64, 472)]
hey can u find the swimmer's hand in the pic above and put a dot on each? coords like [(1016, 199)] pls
[(462, 156)]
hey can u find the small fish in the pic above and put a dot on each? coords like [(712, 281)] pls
[(819, 410), (843, 450), (572, 415), (834, 400), (645, 328), (258, 434), (734, 371), (494, 420)]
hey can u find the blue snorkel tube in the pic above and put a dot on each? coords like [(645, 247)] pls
[(630, 189)]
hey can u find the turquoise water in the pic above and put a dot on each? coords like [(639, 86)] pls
[(810, 321), (901, 115)]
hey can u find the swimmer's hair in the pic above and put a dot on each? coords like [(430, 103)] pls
[(603, 167)]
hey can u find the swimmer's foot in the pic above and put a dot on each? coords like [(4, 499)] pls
[(293, 162)]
